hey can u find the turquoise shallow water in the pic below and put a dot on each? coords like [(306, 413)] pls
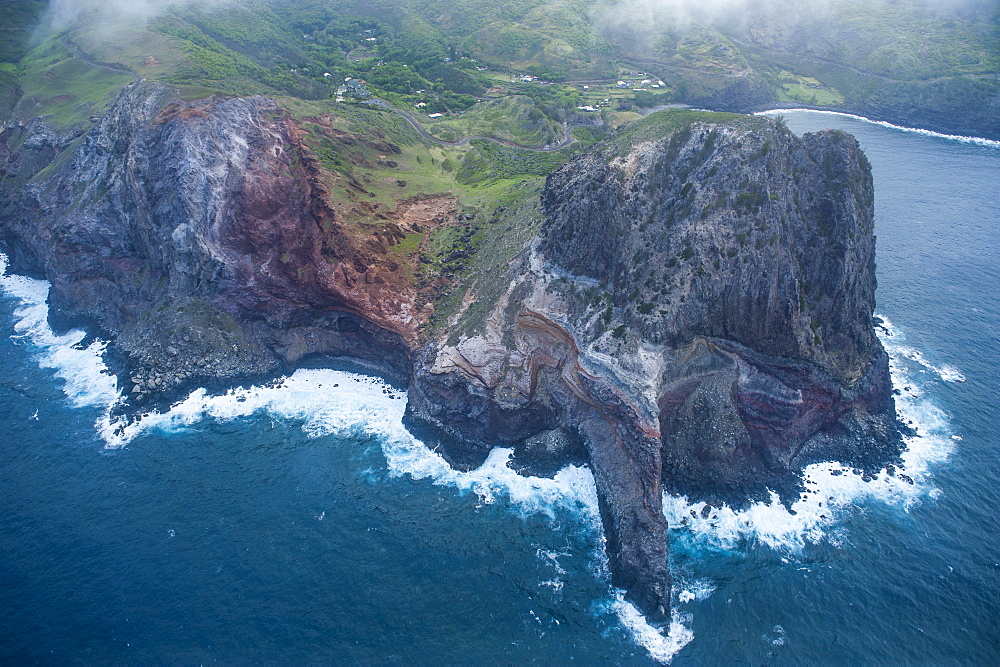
[(302, 523)]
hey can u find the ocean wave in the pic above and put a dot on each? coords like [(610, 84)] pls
[(946, 372), (328, 402), (662, 645), (86, 379), (979, 141), (831, 488), (325, 402)]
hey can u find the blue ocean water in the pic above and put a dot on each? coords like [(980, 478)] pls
[(301, 523)]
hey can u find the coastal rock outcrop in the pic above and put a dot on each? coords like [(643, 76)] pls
[(691, 312), (696, 314), (199, 236)]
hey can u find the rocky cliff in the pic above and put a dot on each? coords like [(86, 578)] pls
[(202, 237), (692, 313), (695, 315)]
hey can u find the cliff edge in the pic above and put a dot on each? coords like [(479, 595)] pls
[(686, 307), (694, 317)]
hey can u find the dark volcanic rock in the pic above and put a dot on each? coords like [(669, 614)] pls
[(196, 235), (698, 312)]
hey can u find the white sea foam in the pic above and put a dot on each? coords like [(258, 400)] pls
[(86, 380), (892, 336), (325, 402), (979, 141), (329, 402), (832, 488), (662, 645), (690, 591)]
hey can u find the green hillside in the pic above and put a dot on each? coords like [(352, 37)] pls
[(474, 61)]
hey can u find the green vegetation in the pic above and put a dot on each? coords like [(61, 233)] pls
[(515, 118), (16, 22), (806, 90), (445, 55), (662, 123), (67, 90), (490, 161), (523, 72)]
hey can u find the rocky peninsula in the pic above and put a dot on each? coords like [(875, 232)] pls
[(685, 306)]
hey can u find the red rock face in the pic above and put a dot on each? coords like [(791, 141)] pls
[(214, 226), (295, 246), (288, 243)]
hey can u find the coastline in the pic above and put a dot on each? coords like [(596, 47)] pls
[(980, 141)]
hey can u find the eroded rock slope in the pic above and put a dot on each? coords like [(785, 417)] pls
[(695, 315)]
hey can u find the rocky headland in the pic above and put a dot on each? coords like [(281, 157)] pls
[(686, 306)]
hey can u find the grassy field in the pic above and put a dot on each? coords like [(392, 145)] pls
[(63, 88), (513, 118), (662, 123), (807, 90)]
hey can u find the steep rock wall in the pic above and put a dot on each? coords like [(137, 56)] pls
[(696, 315), (198, 235)]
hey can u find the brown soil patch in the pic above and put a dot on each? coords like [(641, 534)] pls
[(427, 213)]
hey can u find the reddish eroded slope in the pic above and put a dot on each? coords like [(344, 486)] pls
[(298, 244), (212, 229)]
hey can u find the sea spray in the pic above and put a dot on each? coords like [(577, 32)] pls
[(662, 645), (86, 379), (328, 402), (831, 488), (323, 401)]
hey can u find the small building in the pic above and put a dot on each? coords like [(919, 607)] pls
[(356, 88), (621, 84), (435, 115)]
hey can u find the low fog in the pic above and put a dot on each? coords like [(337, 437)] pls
[(68, 14)]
